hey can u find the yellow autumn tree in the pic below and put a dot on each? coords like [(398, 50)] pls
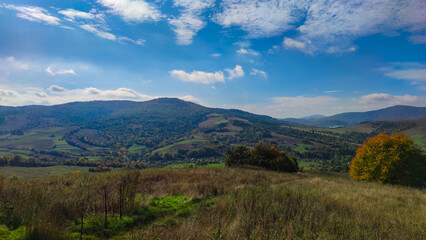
[(390, 159)]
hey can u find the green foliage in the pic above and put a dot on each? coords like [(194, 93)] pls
[(262, 156), (94, 225), (17, 234), (390, 159), (177, 205)]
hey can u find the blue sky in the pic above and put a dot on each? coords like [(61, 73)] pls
[(289, 58)]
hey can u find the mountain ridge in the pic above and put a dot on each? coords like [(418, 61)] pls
[(397, 112)]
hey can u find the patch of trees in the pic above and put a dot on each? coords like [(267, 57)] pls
[(390, 159), (262, 156), (17, 132)]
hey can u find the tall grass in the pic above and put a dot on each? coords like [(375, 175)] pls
[(223, 203)]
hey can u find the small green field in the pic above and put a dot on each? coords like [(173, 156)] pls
[(221, 122), (172, 148), (185, 165), (34, 172), (136, 148), (419, 140), (301, 147), (307, 165)]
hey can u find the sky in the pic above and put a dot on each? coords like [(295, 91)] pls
[(282, 58)]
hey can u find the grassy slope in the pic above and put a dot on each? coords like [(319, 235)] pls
[(305, 206), (252, 204)]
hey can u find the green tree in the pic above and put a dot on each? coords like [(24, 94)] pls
[(390, 159)]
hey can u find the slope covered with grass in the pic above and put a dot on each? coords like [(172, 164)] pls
[(206, 203)]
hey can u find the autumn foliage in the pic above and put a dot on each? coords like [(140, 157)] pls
[(390, 159)]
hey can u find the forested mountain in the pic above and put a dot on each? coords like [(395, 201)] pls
[(163, 131), (353, 118)]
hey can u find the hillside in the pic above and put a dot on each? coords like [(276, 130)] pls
[(201, 203), (167, 131), (353, 118), (158, 131)]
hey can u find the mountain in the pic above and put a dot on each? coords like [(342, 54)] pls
[(353, 118), (315, 116), (165, 128), (168, 130)]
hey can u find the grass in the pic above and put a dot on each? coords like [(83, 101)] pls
[(419, 140), (232, 203), (307, 165), (301, 147), (136, 148), (220, 122), (185, 165), (35, 172), (171, 148), (44, 138)]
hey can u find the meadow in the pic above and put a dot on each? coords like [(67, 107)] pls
[(208, 203)]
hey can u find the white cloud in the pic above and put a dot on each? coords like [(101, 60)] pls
[(291, 43), (328, 26), (137, 42), (56, 88), (34, 14), (257, 17), (72, 14), (99, 33), (186, 27), (215, 55), (58, 95), (193, 5), (248, 51), (237, 72), (413, 71), (255, 71), (133, 10), (51, 72), (198, 76), (418, 39), (189, 22), (332, 91), (386, 100), (9, 64)]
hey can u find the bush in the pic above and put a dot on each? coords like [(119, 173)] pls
[(262, 156), (390, 159)]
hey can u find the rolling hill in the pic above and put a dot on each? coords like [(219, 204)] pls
[(353, 118), (168, 130)]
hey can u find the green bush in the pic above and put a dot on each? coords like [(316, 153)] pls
[(262, 156)]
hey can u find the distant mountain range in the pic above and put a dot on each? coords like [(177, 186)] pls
[(354, 118)]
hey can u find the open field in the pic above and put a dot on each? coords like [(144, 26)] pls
[(186, 144), (33, 172), (218, 203)]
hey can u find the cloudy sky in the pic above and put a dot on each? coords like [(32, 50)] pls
[(283, 58)]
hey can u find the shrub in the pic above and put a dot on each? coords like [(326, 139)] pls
[(389, 159), (262, 156)]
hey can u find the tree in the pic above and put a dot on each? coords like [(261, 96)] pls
[(390, 159), (239, 156), (263, 156)]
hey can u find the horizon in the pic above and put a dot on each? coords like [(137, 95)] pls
[(275, 58)]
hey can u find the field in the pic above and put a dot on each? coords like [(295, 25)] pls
[(34, 172), (219, 203), (40, 139)]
